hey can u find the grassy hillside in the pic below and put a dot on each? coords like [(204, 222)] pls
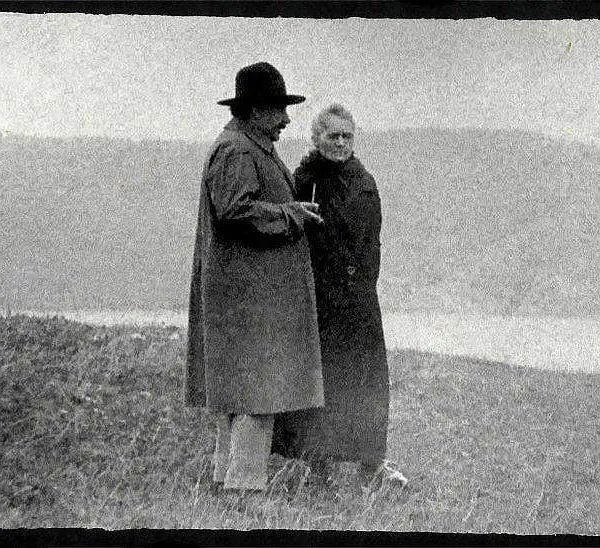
[(94, 434), (477, 220)]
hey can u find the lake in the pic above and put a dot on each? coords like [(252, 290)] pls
[(571, 344)]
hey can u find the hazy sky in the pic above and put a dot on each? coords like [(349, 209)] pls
[(158, 76)]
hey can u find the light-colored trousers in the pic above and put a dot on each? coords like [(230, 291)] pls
[(242, 451)]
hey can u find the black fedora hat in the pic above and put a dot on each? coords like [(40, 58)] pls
[(260, 84)]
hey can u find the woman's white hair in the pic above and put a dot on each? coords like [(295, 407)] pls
[(319, 124)]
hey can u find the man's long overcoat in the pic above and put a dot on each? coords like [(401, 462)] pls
[(253, 335)]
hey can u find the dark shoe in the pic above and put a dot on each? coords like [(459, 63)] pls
[(320, 472)]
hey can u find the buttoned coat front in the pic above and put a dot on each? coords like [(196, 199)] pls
[(253, 340)]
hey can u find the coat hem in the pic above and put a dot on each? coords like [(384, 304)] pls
[(259, 411)]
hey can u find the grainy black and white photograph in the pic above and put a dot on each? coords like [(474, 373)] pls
[(303, 274)]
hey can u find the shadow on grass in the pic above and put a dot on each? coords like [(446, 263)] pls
[(94, 434)]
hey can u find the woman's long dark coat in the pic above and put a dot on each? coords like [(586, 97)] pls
[(345, 254)]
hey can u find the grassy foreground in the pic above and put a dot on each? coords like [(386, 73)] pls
[(94, 434)]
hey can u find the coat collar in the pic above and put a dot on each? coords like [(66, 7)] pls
[(351, 174), (252, 133), (265, 144)]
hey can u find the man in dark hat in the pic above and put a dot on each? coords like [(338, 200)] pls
[(253, 337)]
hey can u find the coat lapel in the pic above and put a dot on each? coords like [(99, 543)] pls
[(269, 150), (286, 172)]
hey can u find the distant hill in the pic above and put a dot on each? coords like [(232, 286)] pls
[(474, 220), (494, 221)]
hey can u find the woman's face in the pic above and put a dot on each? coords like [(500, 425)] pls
[(336, 141)]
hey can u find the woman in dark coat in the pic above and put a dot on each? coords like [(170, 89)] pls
[(345, 254)]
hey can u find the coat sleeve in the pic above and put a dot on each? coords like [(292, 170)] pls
[(234, 189), (368, 229), (373, 241)]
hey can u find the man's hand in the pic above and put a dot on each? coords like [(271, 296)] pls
[(310, 211)]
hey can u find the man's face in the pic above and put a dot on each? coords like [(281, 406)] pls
[(270, 120), (336, 141)]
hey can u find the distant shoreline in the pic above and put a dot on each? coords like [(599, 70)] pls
[(550, 343)]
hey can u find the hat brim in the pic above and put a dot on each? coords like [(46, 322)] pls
[(282, 100)]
